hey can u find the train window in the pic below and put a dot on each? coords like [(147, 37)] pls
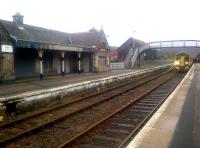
[(186, 58)]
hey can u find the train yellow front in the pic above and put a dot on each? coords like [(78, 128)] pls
[(183, 62)]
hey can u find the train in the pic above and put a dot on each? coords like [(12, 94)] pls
[(183, 62)]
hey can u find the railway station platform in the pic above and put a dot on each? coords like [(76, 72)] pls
[(176, 124), (27, 95), (34, 84)]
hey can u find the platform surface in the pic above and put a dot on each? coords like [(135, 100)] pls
[(29, 85), (176, 124)]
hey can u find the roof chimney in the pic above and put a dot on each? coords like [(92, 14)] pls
[(93, 29), (18, 19)]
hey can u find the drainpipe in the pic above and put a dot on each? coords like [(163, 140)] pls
[(40, 53), (79, 62), (62, 63)]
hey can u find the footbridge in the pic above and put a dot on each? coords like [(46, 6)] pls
[(190, 46)]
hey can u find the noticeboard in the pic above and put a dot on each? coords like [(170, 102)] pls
[(7, 48)]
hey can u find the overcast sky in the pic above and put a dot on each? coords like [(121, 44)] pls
[(148, 20)]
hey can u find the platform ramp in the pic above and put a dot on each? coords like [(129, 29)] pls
[(127, 61), (134, 58)]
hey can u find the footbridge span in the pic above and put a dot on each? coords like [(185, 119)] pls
[(190, 46)]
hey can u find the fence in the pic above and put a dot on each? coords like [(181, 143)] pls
[(117, 65)]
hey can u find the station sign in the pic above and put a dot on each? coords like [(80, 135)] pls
[(7, 48)]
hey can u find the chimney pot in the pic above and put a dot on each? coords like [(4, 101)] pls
[(18, 19)]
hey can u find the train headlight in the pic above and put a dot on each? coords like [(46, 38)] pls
[(186, 63), (176, 62)]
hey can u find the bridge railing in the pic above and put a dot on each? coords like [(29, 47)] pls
[(170, 44)]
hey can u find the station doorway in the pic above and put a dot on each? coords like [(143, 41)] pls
[(24, 62), (73, 59)]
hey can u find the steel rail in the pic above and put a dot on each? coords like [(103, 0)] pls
[(70, 141), (2, 142), (137, 129), (7, 124)]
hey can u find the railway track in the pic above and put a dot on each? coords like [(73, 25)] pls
[(80, 123), (17, 128), (118, 129)]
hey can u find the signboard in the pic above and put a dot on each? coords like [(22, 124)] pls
[(6, 48)]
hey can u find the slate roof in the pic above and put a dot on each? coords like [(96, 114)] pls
[(35, 34), (42, 35), (87, 39)]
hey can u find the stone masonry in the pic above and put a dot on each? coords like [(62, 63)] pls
[(7, 66)]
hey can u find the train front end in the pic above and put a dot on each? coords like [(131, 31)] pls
[(182, 62)]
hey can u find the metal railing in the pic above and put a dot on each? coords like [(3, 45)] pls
[(170, 44)]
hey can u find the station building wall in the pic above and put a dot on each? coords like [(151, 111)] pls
[(7, 71), (52, 62), (67, 63), (25, 63), (7, 66), (85, 62)]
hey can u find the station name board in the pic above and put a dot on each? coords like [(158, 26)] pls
[(6, 48)]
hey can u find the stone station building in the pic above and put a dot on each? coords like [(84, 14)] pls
[(29, 51)]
